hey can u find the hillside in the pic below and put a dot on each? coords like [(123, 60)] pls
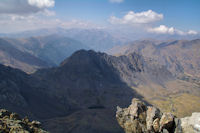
[(11, 56), (87, 69), (180, 56), (88, 86), (51, 48)]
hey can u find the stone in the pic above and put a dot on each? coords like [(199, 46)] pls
[(167, 122), (133, 118), (138, 118), (36, 123), (4, 113), (165, 131), (152, 114), (178, 128), (25, 120), (156, 124), (12, 123), (14, 116), (191, 124)]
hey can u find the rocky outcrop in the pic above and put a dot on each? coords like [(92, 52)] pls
[(12, 123), (191, 124), (139, 118)]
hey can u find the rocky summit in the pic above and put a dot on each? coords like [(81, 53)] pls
[(12, 123), (139, 118)]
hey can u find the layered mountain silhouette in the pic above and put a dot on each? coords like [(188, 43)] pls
[(96, 39), (12, 56), (82, 93), (30, 54), (52, 48), (180, 56)]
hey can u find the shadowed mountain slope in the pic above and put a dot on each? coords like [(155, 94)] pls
[(90, 88), (96, 83)]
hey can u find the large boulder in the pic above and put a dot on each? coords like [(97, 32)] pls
[(152, 119), (133, 118), (167, 122), (139, 118), (191, 124)]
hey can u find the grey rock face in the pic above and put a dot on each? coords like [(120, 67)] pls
[(167, 122), (191, 124), (139, 118), (153, 115), (133, 118)]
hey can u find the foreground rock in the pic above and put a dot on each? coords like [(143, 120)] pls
[(191, 124), (139, 118), (12, 123)]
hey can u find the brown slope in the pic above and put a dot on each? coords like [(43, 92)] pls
[(179, 96), (180, 56)]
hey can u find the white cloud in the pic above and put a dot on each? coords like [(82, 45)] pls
[(47, 12), (116, 1), (17, 23), (137, 18), (24, 7), (192, 32), (42, 3), (162, 29), (18, 15)]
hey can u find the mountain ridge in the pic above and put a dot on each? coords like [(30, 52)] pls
[(180, 56), (12, 56), (92, 84)]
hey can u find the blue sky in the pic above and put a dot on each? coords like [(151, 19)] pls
[(183, 14), (154, 16)]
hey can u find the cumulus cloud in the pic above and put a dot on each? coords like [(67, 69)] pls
[(192, 32), (18, 15), (162, 29), (137, 18), (42, 3), (116, 1), (24, 7)]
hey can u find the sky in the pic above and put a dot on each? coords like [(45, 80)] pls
[(181, 17)]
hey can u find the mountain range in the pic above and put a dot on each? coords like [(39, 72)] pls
[(30, 54), (96, 39), (179, 56), (70, 88), (81, 94), (52, 46), (12, 56)]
